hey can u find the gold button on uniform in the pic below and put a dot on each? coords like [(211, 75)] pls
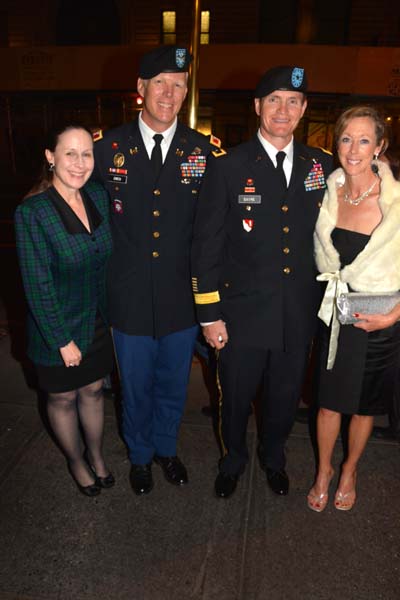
[(194, 191), (319, 204), (248, 207), (226, 284), (156, 213), (285, 229), (156, 234), (157, 192), (285, 208), (286, 270), (155, 255), (286, 250)]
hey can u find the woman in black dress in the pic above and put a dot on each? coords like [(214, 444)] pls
[(63, 243), (357, 244)]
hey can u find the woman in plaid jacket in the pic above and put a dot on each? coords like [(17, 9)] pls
[(63, 242)]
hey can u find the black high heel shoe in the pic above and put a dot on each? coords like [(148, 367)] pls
[(91, 490), (104, 482)]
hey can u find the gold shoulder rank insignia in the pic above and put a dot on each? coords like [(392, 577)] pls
[(97, 135), (326, 151), (214, 141), (218, 153)]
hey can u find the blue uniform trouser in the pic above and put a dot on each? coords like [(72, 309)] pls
[(154, 377)]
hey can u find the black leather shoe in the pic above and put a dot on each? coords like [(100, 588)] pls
[(106, 482), (89, 490), (278, 481), (174, 471), (225, 485), (141, 479)]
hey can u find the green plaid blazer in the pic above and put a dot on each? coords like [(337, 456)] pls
[(63, 270)]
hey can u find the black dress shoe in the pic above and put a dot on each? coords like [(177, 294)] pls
[(141, 479), (278, 481), (89, 490), (174, 471), (225, 485), (106, 482)]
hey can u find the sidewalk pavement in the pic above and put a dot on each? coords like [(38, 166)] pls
[(182, 543)]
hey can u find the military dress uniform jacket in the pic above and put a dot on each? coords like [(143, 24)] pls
[(252, 257), (63, 270), (149, 286)]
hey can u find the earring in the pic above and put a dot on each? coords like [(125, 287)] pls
[(51, 167), (376, 156)]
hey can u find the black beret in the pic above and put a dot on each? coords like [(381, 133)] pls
[(164, 59), (285, 78)]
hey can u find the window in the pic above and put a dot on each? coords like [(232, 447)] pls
[(169, 27), (205, 27)]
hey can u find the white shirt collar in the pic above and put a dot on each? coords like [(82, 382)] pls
[(147, 135), (272, 151)]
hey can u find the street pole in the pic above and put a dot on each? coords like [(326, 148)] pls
[(193, 96)]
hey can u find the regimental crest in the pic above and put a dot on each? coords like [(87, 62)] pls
[(248, 224), (297, 77), (180, 57)]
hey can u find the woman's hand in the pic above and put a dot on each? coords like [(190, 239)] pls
[(376, 322), (71, 354)]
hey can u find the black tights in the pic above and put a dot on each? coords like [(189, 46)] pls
[(84, 407)]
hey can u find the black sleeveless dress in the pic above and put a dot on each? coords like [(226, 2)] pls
[(362, 379)]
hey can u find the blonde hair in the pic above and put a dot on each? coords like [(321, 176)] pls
[(363, 111)]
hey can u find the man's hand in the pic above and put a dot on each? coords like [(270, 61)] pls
[(216, 334)]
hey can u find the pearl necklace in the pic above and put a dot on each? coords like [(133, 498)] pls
[(356, 201)]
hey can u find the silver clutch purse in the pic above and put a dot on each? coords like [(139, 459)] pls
[(360, 302)]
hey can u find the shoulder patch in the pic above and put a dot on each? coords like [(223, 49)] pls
[(219, 152), (97, 135), (326, 151), (214, 141)]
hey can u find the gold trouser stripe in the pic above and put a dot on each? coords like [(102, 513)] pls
[(220, 400), (209, 298)]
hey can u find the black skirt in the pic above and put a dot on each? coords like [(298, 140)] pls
[(363, 377), (96, 363), (366, 366)]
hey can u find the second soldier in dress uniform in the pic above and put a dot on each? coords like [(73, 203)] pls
[(153, 169), (254, 275)]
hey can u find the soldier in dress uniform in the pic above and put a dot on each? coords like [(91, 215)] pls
[(254, 275), (153, 168)]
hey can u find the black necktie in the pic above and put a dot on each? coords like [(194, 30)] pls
[(156, 154), (280, 157)]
